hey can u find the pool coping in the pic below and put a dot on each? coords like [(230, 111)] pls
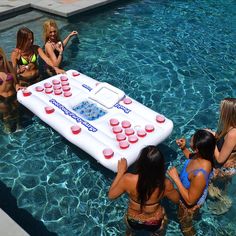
[(9, 227), (64, 8)]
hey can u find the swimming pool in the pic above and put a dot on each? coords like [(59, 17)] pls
[(176, 57)]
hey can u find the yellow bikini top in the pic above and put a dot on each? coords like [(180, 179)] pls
[(33, 59)]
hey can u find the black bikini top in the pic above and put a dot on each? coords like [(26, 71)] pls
[(220, 143)]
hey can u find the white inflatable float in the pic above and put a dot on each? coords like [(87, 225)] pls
[(97, 117)]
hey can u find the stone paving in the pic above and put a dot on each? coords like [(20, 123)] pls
[(63, 8)]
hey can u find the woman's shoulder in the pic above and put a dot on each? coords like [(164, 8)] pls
[(48, 44), (201, 169), (204, 164), (130, 177), (129, 182), (232, 134)]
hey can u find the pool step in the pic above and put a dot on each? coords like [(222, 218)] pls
[(8, 227)]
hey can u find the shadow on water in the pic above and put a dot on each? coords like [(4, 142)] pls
[(168, 153), (25, 116), (22, 217), (93, 162)]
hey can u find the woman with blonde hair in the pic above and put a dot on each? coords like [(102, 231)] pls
[(25, 58), (8, 88), (225, 151), (53, 45), (225, 156)]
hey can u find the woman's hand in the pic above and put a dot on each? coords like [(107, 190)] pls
[(211, 131), (19, 87), (59, 47), (122, 166), (118, 186), (58, 70), (181, 143), (173, 173), (22, 69), (73, 33)]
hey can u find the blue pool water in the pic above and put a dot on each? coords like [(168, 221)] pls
[(176, 57)]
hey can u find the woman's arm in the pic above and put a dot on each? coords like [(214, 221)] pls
[(16, 82), (48, 61), (197, 186), (18, 69), (228, 146), (14, 56), (50, 51), (66, 40), (118, 186), (170, 192)]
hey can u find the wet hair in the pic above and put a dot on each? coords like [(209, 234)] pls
[(46, 29), (150, 168), (227, 116), (22, 37), (6, 64), (205, 143)]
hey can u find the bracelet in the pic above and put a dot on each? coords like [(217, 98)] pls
[(60, 54)]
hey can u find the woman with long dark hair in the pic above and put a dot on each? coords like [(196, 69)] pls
[(146, 187), (193, 180), (25, 58)]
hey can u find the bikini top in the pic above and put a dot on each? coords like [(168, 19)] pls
[(220, 143), (9, 78), (32, 59), (186, 183), (150, 204)]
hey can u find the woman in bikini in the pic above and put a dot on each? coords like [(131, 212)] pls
[(225, 157), (53, 45), (24, 58), (194, 177), (145, 188), (225, 151), (8, 88)]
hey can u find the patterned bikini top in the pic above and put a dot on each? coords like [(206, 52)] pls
[(9, 78)]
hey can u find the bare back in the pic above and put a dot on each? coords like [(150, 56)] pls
[(152, 208)]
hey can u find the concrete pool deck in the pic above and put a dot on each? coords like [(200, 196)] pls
[(64, 8), (8, 227)]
